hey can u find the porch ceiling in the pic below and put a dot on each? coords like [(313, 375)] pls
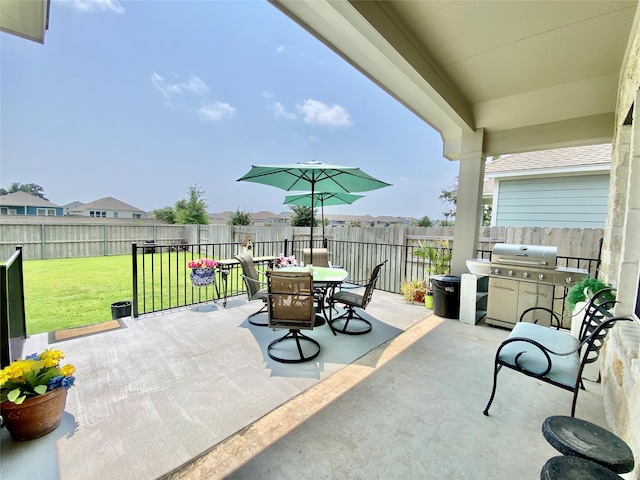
[(532, 74), (26, 19)]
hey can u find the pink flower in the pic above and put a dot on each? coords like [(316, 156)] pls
[(202, 263)]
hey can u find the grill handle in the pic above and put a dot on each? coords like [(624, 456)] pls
[(528, 263)]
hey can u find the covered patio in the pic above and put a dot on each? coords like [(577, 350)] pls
[(191, 393)]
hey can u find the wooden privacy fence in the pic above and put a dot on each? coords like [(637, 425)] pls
[(44, 240)]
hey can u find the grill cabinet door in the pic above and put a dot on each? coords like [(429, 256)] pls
[(502, 305), (535, 295)]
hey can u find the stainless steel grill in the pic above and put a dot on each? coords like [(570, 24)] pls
[(525, 276)]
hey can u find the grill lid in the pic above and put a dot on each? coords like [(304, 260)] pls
[(533, 256)]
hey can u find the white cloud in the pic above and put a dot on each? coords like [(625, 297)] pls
[(318, 113), (216, 111), (313, 138), (267, 95), (280, 112), (280, 49), (93, 5), (195, 84)]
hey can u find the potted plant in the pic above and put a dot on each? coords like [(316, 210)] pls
[(439, 257), (414, 291), (33, 394), (202, 271), (581, 291)]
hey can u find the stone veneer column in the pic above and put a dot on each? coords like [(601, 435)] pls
[(620, 364)]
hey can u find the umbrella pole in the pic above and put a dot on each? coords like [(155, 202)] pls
[(322, 210), (313, 184)]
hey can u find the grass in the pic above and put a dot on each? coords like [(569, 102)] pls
[(72, 292)]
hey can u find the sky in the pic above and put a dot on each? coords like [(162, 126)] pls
[(140, 100)]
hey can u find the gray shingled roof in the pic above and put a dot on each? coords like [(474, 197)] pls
[(552, 159), (110, 203), (24, 199)]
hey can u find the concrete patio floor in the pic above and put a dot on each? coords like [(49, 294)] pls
[(192, 394)]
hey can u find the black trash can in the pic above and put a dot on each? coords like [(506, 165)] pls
[(120, 309), (446, 296)]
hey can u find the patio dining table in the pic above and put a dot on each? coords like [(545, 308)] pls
[(325, 279)]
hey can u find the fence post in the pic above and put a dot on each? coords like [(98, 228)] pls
[(42, 242), (106, 240), (134, 276)]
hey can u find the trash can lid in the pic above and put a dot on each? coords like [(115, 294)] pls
[(446, 278)]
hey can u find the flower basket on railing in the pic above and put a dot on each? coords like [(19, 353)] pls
[(202, 272)]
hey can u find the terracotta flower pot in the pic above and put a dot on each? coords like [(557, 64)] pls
[(36, 416)]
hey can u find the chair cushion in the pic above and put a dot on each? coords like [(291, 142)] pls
[(564, 368), (348, 298)]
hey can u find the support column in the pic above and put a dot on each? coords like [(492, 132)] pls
[(469, 203)]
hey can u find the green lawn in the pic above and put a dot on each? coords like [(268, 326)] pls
[(71, 292)]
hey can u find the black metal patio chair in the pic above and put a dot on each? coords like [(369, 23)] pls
[(352, 300), (552, 355)]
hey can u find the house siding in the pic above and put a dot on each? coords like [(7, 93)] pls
[(569, 202)]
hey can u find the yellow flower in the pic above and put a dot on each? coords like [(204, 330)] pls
[(17, 369), (4, 376), (67, 370), (54, 354)]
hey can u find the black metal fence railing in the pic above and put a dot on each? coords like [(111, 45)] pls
[(161, 278), (13, 325)]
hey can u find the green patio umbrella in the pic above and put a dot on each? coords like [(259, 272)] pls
[(322, 199), (313, 177)]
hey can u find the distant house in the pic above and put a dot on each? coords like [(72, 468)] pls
[(108, 207), (21, 203), (566, 187), (73, 206), (269, 218)]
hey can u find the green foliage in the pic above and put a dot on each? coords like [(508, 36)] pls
[(414, 290), (193, 210), (450, 196), (487, 210), (576, 292), (240, 218), (439, 256), (424, 222), (355, 223), (168, 214), (72, 292), (30, 188), (302, 216)]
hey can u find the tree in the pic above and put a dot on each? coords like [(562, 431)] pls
[(424, 222), (240, 218), (168, 214), (302, 216), (30, 188), (450, 197), (193, 210), (355, 223)]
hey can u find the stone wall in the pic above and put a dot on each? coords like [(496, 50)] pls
[(620, 365)]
